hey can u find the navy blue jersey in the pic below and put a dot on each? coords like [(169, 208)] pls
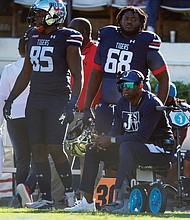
[(115, 53), (141, 123), (50, 76)]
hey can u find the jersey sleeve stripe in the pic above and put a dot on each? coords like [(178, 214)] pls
[(161, 69), (155, 44), (75, 39), (99, 37), (97, 66), (75, 42), (154, 47), (76, 36)]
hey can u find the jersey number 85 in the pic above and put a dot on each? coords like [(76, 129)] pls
[(37, 55)]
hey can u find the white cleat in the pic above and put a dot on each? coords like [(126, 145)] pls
[(82, 206)]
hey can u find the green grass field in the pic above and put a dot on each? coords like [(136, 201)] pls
[(28, 214)]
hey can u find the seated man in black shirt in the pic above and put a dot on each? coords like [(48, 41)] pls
[(137, 136)]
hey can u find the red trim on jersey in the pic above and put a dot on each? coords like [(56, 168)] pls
[(158, 71), (97, 66), (155, 44)]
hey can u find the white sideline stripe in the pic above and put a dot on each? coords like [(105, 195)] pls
[(9, 170)]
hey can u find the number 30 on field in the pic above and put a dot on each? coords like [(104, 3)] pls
[(104, 191)]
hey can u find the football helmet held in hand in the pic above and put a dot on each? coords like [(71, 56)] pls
[(78, 138)]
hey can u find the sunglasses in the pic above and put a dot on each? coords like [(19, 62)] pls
[(128, 85)]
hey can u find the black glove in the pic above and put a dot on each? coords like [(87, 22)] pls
[(69, 111), (7, 109), (88, 116)]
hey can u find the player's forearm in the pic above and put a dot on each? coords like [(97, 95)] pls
[(19, 86), (77, 87), (92, 89), (163, 86)]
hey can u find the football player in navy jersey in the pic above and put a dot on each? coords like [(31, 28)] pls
[(51, 52), (121, 48), (138, 135)]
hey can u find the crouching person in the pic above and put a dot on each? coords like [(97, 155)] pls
[(136, 137)]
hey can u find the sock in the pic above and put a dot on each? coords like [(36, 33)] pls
[(43, 174), (64, 171)]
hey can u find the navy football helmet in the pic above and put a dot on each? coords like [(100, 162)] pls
[(47, 12)]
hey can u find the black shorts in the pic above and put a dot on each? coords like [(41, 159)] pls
[(43, 122)]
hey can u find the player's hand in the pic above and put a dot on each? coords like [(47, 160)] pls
[(88, 116), (70, 112), (7, 109), (101, 142)]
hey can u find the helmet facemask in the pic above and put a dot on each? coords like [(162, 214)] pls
[(31, 18), (40, 18)]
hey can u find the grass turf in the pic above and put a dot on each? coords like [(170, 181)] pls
[(31, 214)]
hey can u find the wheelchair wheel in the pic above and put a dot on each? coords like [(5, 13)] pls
[(174, 203), (138, 199), (157, 198)]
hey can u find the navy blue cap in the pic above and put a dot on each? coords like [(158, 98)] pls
[(131, 76)]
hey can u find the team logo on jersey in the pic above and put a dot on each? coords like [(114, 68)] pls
[(52, 36), (43, 42), (35, 36), (132, 41), (131, 121), (122, 46)]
